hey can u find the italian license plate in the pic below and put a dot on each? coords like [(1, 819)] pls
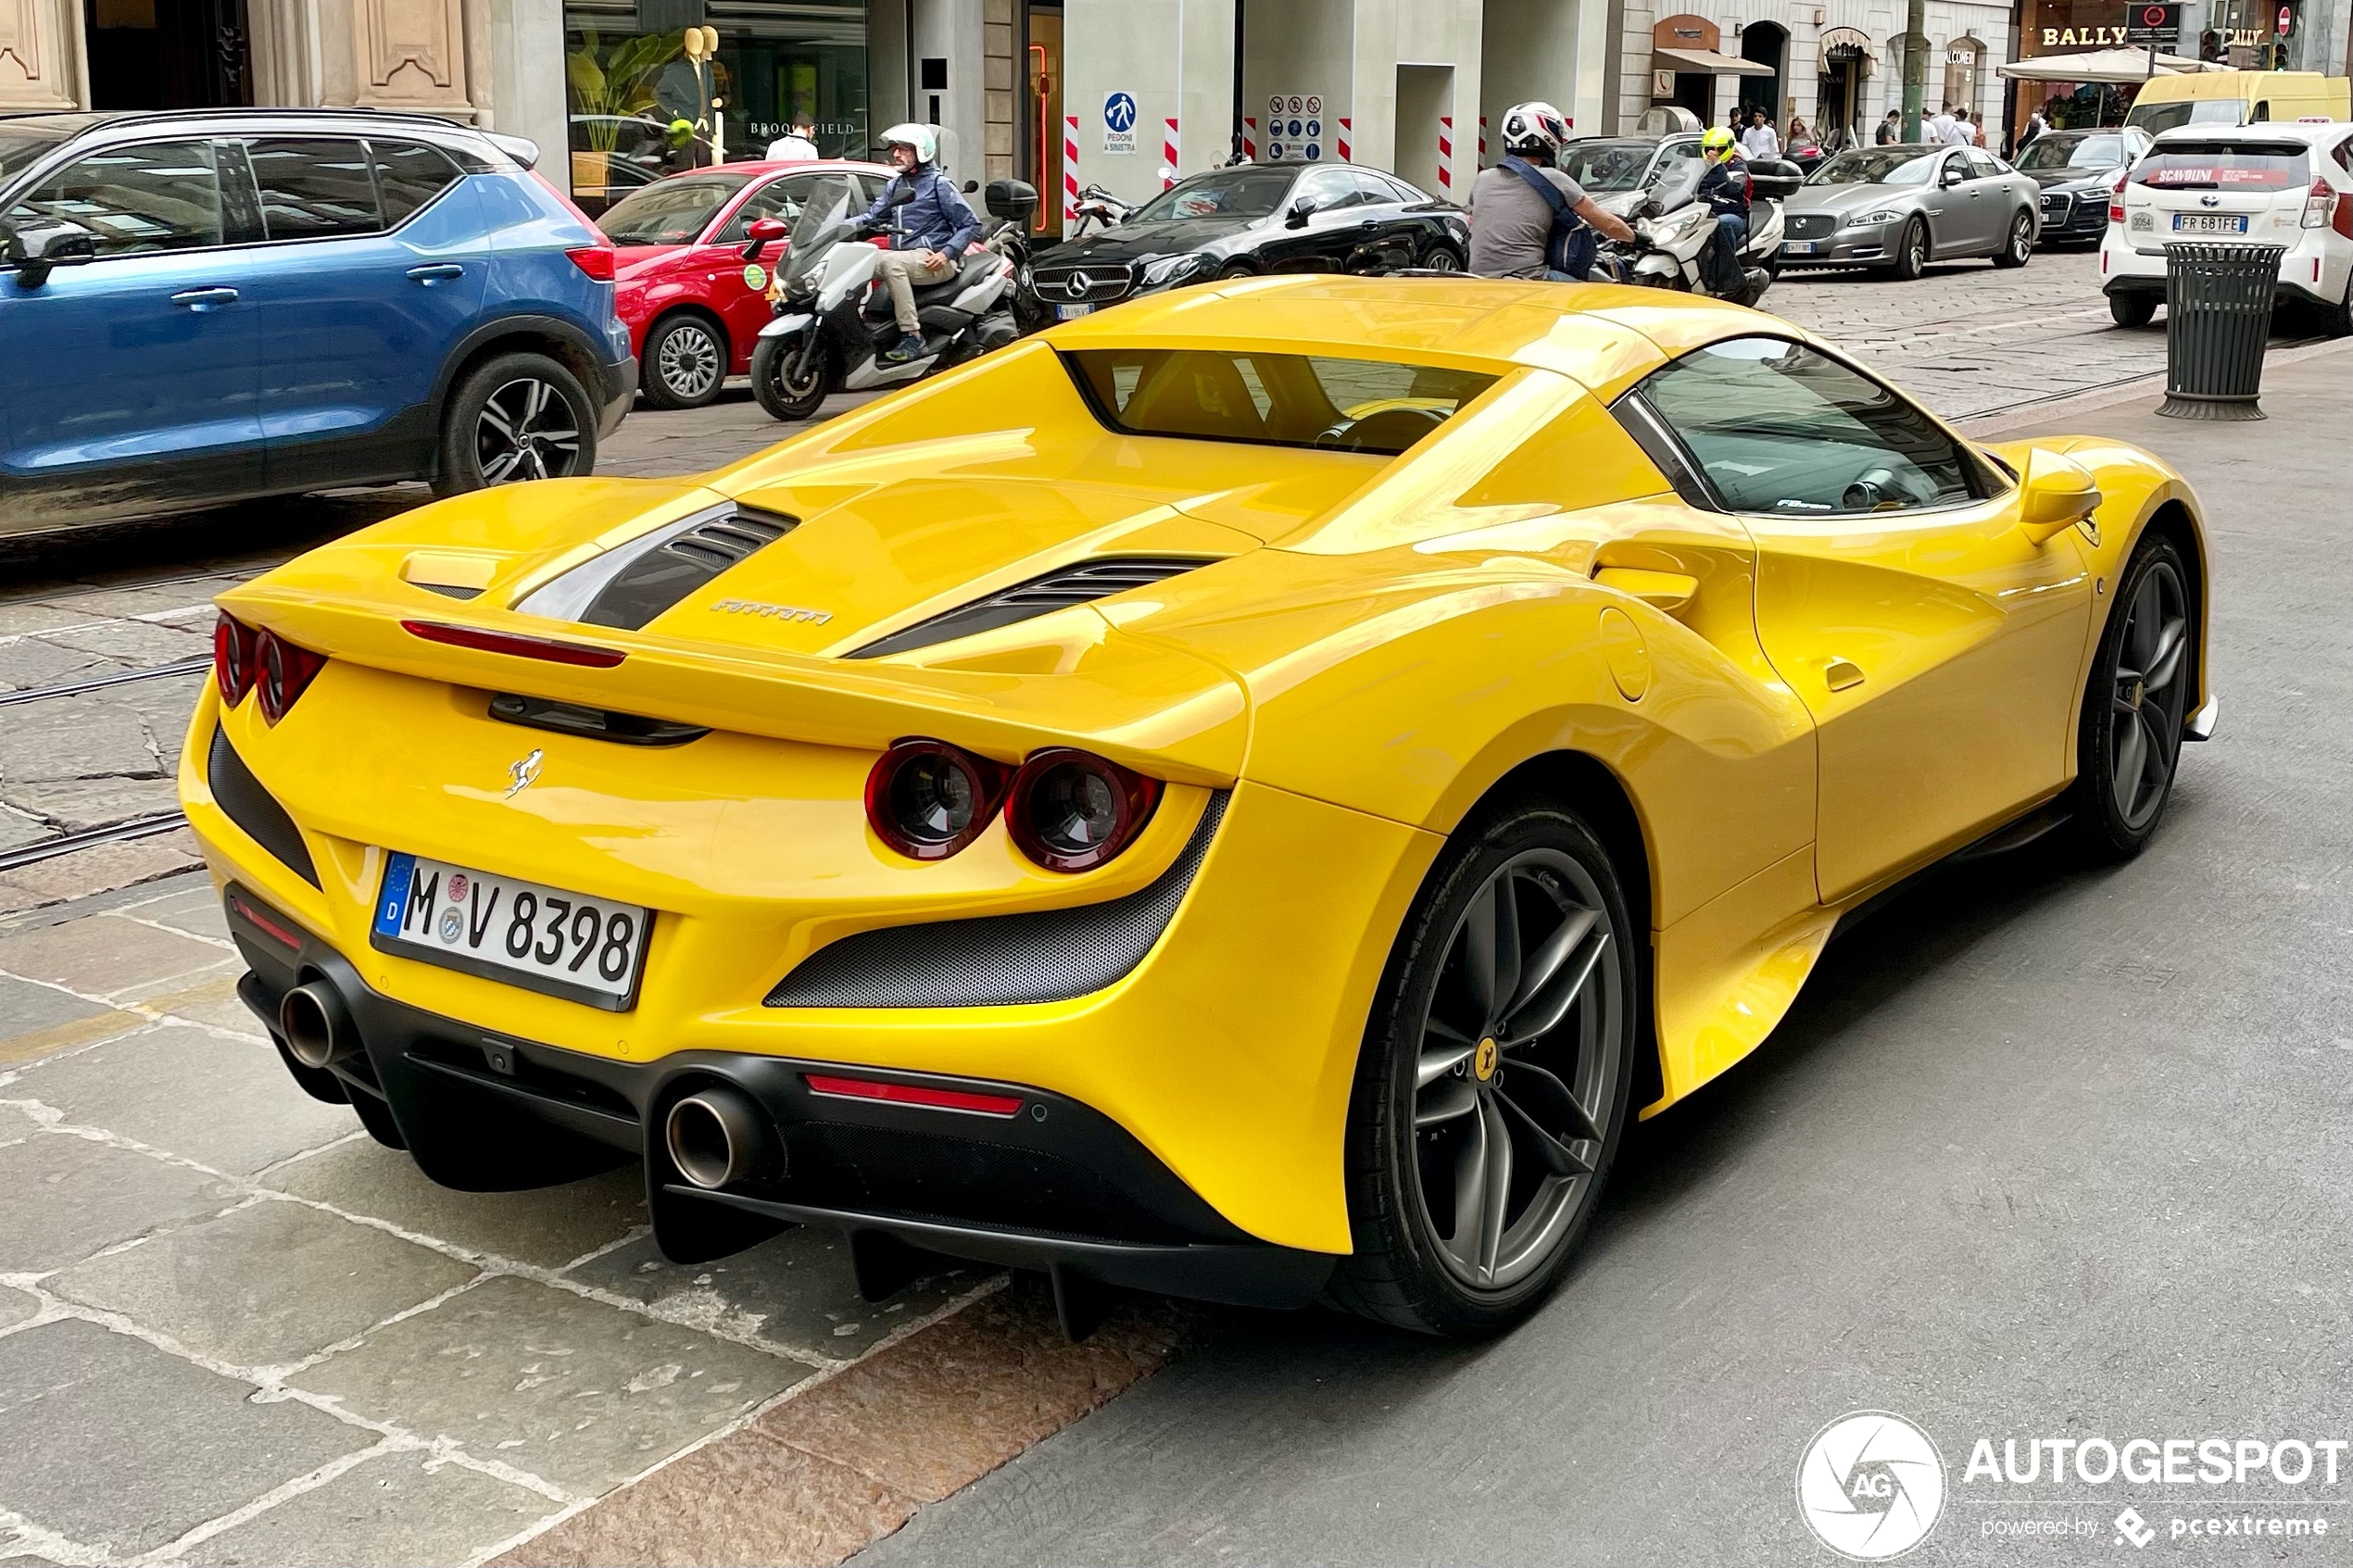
[(2207, 224), (1797, 247), (1072, 312), (502, 928)]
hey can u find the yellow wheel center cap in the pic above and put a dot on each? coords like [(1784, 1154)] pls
[(2138, 689), (1483, 1059)]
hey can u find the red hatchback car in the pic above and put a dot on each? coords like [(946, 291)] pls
[(692, 304)]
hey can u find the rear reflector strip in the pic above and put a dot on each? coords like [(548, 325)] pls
[(908, 1093), (263, 924), (522, 648)]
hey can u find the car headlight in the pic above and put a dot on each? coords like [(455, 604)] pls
[(1168, 268), (1025, 281), (1872, 220)]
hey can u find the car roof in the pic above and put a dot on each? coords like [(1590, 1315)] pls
[(1601, 334), (2262, 131)]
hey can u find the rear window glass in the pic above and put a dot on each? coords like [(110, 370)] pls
[(1274, 400), (2223, 167)]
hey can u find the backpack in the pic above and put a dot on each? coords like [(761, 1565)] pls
[(1571, 244)]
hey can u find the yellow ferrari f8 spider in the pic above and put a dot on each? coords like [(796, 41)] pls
[(1241, 795)]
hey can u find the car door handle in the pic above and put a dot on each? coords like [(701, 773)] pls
[(204, 300), (1839, 674), (440, 272)]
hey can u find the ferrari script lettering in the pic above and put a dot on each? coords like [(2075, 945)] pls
[(776, 612)]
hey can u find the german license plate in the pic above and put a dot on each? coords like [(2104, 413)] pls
[(2207, 224), (502, 928), (1072, 312), (1797, 247)]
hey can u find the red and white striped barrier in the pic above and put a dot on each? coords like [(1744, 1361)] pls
[(1249, 138), (1446, 152), (1482, 141), (1346, 134), (1070, 169), (1168, 152)]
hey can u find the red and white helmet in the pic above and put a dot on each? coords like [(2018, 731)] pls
[(1535, 125)]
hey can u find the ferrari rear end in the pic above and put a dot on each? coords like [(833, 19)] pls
[(556, 834)]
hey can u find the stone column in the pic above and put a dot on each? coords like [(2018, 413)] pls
[(411, 55), (39, 63)]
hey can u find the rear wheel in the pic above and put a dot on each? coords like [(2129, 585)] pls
[(519, 416), (2131, 308), (2336, 320), (1236, 270), (784, 396), (1491, 1092), (1911, 251), (2131, 735), (2019, 246), (686, 362), (1442, 258)]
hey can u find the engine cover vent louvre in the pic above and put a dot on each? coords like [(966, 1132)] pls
[(678, 566), (1077, 584)]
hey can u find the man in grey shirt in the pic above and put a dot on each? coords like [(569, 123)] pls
[(1511, 222)]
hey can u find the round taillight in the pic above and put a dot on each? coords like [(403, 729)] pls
[(233, 664), (281, 672), (928, 799), (1071, 810)]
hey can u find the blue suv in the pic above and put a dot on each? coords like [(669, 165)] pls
[(202, 306)]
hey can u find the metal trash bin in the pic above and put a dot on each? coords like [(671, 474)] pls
[(2218, 316)]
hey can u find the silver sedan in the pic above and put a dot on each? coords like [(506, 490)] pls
[(1900, 207)]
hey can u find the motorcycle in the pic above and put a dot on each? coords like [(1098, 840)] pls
[(1669, 249), (1098, 206), (834, 319)]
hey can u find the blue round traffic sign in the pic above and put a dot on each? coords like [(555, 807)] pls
[(1314, 152), (1315, 128), (1119, 111), (1295, 128), (1274, 152)]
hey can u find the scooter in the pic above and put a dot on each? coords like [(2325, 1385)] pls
[(1668, 251), (833, 319), (1100, 207)]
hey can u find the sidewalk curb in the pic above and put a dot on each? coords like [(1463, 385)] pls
[(2038, 417)]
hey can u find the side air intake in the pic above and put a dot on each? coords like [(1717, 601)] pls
[(1075, 585), (630, 585)]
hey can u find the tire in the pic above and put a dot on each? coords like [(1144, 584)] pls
[(771, 359), (2129, 742), (1421, 1144), (2131, 308), (2335, 320), (1233, 270), (2019, 247), (515, 417), (1911, 252), (1442, 258), (685, 361)]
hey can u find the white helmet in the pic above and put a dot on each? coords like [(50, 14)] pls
[(923, 138), (1534, 125)]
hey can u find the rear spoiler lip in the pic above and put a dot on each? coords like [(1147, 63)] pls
[(1180, 731), (522, 149)]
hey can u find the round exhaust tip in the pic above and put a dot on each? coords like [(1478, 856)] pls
[(718, 1138), (315, 1026)]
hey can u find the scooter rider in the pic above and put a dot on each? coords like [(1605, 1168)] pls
[(1527, 218), (930, 233), (1724, 187)]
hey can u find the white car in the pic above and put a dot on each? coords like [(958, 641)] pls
[(2286, 184)]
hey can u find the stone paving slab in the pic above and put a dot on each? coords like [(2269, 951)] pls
[(392, 1508), (136, 1446), (69, 1195)]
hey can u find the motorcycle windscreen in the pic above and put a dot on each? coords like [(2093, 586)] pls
[(823, 224)]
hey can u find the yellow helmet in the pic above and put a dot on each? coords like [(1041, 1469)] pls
[(1717, 139)]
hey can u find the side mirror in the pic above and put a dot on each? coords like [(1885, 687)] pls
[(38, 248), (971, 185), (761, 232), (1300, 211), (1648, 207), (1952, 177), (2058, 492)]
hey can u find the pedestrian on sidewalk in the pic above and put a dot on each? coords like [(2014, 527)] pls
[(1976, 123), (1759, 140), (1938, 127), (798, 143), (1891, 129)]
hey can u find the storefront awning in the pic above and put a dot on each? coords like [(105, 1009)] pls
[(1847, 38), (1706, 60), (2096, 65)]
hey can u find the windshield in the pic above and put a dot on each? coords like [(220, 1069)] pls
[(1272, 399), (823, 223), (1222, 193), (1606, 166), (669, 212), (2087, 151), (1880, 166), (2154, 118), (21, 143)]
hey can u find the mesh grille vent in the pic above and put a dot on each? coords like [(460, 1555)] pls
[(1079, 584), (999, 960), (670, 571)]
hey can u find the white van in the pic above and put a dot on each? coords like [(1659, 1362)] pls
[(2288, 185)]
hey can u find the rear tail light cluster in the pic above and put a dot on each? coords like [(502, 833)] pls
[(2320, 205), (254, 659), (2116, 199), (1066, 809), (594, 260)]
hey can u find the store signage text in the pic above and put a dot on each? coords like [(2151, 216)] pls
[(2091, 37)]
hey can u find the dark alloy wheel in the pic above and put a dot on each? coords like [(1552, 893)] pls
[(783, 395), (1491, 1093), (2135, 705), (517, 416), (2018, 248), (1911, 251), (1442, 258), (686, 362), (2131, 308), (1236, 270)]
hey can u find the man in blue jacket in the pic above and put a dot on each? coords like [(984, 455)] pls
[(929, 234)]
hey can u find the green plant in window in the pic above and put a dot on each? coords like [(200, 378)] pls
[(616, 81)]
